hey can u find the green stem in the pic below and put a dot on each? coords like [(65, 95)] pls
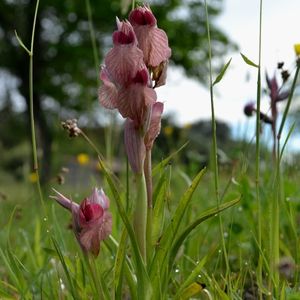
[(32, 123), (148, 180), (93, 273), (92, 35), (148, 177), (140, 213), (215, 147), (257, 155), (108, 129), (278, 188)]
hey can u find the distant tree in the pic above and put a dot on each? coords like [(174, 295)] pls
[(65, 71)]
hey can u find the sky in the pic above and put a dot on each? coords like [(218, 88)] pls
[(190, 101)]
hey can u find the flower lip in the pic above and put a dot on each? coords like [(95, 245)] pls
[(141, 77), (124, 35), (122, 38), (142, 16), (89, 212)]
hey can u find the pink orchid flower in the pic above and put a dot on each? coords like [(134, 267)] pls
[(151, 40), (135, 100), (155, 125), (134, 146), (125, 58), (132, 101), (92, 222)]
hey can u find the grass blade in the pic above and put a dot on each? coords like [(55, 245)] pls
[(204, 216), (159, 261), (191, 277), (222, 73), (119, 264), (163, 163), (159, 197), (66, 270), (248, 61), (144, 285)]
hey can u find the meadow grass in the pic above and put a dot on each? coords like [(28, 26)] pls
[(247, 246)]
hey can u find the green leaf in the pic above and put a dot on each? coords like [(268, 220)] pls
[(119, 264), (192, 290), (191, 277), (112, 245), (144, 284), (248, 61), (22, 44), (159, 199), (163, 163), (159, 263), (66, 269), (204, 216), (49, 251), (222, 73), (287, 139), (13, 270)]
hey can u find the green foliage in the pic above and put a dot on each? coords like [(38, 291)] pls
[(248, 61)]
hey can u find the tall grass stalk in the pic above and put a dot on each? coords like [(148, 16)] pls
[(257, 154), (108, 129), (31, 111), (215, 154), (279, 193)]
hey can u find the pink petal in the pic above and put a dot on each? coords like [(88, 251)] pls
[(108, 92), (142, 16), (90, 237), (103, 199), (123, 62), (154, 44), (134, 146), (134, 102), (89, 212), (64, 201), (155, 124), (106, 226), (125, 34), (98, 196)]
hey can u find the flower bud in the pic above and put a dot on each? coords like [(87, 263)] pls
[(249, 109)]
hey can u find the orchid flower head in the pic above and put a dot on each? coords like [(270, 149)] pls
[(124, 59), (151, 40), (92, 222), (155, 125), (142, 16), (125, 34)]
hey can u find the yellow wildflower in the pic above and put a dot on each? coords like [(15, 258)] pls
[(33, 178), (83, 159), (168, 130), (297, 49)]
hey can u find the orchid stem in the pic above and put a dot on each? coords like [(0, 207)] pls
[(140, 213), (148, 179)]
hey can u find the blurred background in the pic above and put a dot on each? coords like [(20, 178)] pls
[(71, 40)]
